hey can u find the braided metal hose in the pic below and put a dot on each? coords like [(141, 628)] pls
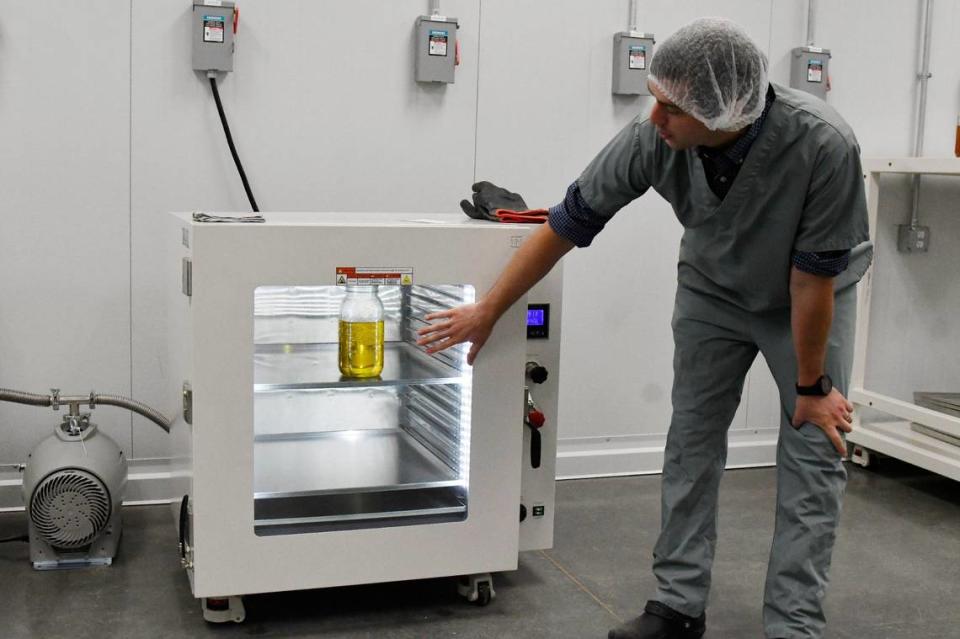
[(56, 400), (20, 397)]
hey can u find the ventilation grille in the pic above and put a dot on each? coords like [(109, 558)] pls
[(70, 508)]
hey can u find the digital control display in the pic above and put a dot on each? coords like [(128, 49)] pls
[(535, 317), (538, 321)]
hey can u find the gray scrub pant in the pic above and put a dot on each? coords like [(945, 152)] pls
[(715, 345)]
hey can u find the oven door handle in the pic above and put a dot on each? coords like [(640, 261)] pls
[(535, 444)]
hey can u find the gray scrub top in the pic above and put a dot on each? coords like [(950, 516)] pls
[(800, 189)]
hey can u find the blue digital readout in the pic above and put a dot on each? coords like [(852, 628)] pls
[(535, 317)]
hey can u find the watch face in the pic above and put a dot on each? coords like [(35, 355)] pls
[(826, 384)]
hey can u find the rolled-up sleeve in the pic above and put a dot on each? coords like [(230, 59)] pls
[(574, 220), (824, 263)]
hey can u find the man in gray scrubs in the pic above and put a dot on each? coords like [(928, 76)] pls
[(768, 186)]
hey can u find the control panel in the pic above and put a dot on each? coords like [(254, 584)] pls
[(540, 421), (538, 321)]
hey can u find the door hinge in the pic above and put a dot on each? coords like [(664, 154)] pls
[(186, 277), (187, 403)]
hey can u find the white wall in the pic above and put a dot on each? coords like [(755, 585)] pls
[(104, 128), (64, 211)]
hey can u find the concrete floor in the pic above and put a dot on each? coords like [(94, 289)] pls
[(896, 574)]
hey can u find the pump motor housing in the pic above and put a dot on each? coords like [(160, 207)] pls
[(73, 487)]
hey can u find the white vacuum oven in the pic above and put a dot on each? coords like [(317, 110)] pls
[(294, 476)]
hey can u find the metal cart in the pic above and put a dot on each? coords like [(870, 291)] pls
[(905, 360)]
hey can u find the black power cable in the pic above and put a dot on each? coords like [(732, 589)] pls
[(11, 539), (233, 149)]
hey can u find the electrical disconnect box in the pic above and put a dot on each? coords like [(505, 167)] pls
[(809, 70), (631, 59), (214, 28), (436, 53)]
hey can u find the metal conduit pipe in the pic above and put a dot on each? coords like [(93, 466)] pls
[(924, 76), (434, 7), (811, 20), (56, 400), (634, 18)]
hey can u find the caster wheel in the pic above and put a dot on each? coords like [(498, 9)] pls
[(223, 609), (861, 456), (477, 589), (483, 594)]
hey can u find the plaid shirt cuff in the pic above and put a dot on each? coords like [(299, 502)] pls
[(823, 263), (574, 220)]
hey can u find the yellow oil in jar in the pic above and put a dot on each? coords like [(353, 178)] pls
[(361, 348)]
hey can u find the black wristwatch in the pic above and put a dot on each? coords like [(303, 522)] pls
[(820, 388)]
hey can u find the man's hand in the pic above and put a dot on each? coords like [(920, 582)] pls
[(831, 414), (469, 323)]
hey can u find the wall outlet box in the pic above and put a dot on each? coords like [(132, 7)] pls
[(913, 239)]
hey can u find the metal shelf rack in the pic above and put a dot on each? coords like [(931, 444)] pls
[(882, 423)]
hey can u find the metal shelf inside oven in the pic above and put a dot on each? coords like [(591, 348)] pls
[(344, 479), (280, 367)]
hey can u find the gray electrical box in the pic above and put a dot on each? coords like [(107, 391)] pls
[(631, 59), (436, 52), (809, 70), (913, 239), (214, 28)]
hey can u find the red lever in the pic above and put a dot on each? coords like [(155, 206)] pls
[(536, 418), (236, 19)]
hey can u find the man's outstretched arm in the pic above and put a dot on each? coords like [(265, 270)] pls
[(474, 322)]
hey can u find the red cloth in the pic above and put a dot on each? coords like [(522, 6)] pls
[(533, 216)]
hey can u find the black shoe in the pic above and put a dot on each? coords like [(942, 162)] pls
[(660, 622)]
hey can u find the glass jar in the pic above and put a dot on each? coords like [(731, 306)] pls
[(361, 332)]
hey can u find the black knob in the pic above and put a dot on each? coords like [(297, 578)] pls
[(523, 512), (537, 373)]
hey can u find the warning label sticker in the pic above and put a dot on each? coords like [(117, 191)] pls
[(438, 42), (374, 275), (213, 28), (638, 57), (815, 71)]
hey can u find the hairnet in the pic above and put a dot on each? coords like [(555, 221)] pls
[(712, 70)]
